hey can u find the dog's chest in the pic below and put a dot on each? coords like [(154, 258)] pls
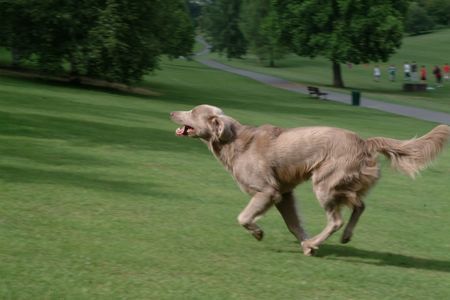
[(252, 175)]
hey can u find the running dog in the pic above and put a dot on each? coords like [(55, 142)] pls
[(268, 162)]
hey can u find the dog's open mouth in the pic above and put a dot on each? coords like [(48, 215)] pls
[(185, 130)]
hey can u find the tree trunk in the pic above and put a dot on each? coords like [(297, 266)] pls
[(271, 60), (74, 73), (15, 57), (337, 75)]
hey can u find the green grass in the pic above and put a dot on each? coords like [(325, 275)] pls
[(429, 50), (100, 200)]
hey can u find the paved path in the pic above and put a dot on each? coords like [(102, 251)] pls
[(418, 113)]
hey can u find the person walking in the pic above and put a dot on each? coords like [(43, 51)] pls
[(391, 71), (407, 71), (437, 73), (414, 70), (423, 73), (376, 73), (446, 69)]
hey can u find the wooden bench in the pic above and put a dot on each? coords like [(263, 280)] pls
[(414, 87), (314, 91)]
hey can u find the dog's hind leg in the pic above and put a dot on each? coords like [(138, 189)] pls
[(334, 223), (288, 210), (348, 231), (258, 205)]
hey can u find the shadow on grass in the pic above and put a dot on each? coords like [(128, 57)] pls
[(90, 133), (87, 85), (378, 258), (41, 152), (73, 179), (54, 104)]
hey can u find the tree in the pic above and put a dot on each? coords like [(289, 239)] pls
[(439, 11), (417, 20), (260, 25), (116, 40), (39, 27), (354, 31), (195, 10), (220, 21), (129, 37)]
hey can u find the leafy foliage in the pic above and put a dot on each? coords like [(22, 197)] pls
[(221, 23), (418, 20), (426, 15), (261, 27), (116, 40), (439, 11)]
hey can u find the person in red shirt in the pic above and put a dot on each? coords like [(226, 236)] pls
[(446, 70), (423, 73)]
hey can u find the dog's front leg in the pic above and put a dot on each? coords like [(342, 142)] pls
[(258, 205), (288, 210)]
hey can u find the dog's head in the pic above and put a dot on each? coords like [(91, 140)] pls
[(204, 121)]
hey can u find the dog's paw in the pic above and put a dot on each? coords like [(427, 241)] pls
[(345, 239), (258, 234), (309, 249)]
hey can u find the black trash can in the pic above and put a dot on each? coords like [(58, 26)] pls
[(356, 98)]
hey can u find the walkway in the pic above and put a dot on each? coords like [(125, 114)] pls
[(418, 113)]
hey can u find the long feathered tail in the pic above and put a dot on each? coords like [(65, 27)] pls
[(413, 155)]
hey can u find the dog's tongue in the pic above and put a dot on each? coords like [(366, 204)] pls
[(179, 131), (183, 130)]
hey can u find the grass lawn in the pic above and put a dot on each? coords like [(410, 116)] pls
[(428, 50), (100, 200)]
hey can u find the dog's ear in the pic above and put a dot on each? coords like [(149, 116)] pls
[(221, 128)]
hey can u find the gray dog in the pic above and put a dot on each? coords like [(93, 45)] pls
[(269, 162)]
